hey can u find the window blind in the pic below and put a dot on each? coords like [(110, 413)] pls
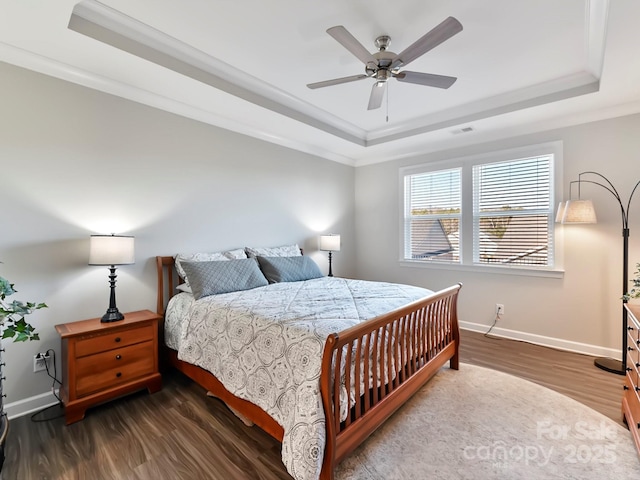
[(512, 212), (432, 215)]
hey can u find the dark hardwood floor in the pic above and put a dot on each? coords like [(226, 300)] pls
[(180, 433)]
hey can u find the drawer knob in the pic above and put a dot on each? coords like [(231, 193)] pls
[(117, 339), (630, 349), (118, 357), (118, 374), (637, 388), (628, 368), (624, 387), (629, 327), (638, 342)]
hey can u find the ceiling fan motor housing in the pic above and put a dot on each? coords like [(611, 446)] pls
[(384, 58), (383, 74)]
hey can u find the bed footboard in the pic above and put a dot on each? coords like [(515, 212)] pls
[(400, 351)]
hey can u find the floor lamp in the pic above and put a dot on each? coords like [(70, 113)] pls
[(582, 211)]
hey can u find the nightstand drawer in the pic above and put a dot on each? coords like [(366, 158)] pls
[(101, 343), (111, 368)]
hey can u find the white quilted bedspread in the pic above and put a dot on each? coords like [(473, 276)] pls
[(265, 345)]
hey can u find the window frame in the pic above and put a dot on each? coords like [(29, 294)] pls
[(466, 239)]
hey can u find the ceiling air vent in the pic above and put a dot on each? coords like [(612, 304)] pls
[(462, 130)]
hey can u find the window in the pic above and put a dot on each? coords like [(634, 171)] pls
[(433, 202), (492, 210)]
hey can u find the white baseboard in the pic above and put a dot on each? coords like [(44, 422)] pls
[(558, 343), (30, 405)]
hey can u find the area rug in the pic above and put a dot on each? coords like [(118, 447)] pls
[(477, 423)]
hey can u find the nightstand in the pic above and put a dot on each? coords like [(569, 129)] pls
[(102, 361)]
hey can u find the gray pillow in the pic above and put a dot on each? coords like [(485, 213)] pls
[(205, 257), (210, 278), (289, 269)]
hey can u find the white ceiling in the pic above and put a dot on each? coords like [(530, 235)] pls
[(522, 66)]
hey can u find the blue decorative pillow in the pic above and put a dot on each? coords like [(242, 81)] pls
[(289, 269), (210, 278)]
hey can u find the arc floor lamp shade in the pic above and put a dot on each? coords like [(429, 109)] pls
[(579, 211), (111, 250)]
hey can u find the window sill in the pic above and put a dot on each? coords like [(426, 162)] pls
[(497, 270)]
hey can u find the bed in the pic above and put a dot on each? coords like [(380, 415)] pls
[(361, 356)]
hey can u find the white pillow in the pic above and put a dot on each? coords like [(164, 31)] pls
[(236, 254), (282, 251)]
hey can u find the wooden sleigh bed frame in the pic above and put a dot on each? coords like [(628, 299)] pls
[(418, 339)]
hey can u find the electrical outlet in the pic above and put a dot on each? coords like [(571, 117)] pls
[(40, 362), (499, 309)]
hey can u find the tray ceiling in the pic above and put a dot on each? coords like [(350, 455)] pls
[(244, 66)]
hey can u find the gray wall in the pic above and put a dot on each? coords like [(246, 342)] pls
[(75, 162), (583, 307)]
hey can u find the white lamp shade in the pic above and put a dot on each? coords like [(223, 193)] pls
[(330, 243), (111, 250), (579, 211)]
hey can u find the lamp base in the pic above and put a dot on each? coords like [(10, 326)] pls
[(610, 365), (112, 315)]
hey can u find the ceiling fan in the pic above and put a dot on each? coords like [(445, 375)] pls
[(385, 64)]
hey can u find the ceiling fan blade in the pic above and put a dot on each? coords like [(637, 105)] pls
[(447, 29), (336, 81), (428, 79), (377, 94), (349, 42)]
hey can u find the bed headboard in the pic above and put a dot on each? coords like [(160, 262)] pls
[(168, 280)]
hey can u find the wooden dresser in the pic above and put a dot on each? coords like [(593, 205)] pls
[(631, 396), (102, 361)]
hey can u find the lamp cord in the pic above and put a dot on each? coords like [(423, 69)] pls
[(495, 320), (51, 352)]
